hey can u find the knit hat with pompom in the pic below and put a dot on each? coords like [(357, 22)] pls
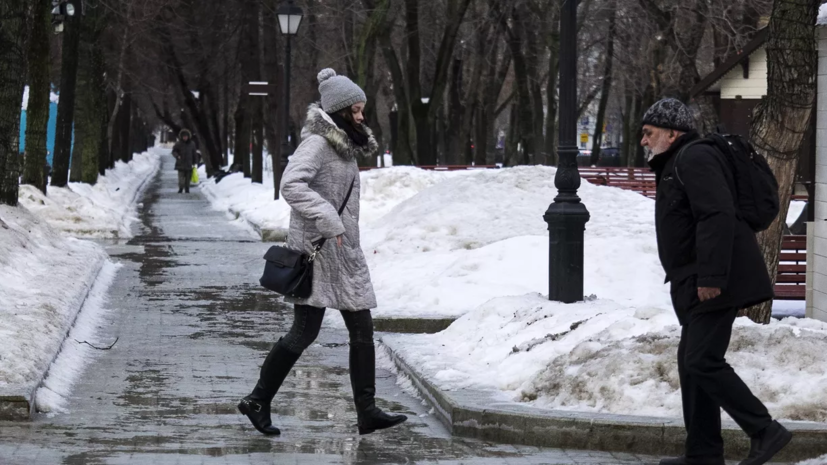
[(338, 92)]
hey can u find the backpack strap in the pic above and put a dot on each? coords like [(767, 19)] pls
[(680, 152)]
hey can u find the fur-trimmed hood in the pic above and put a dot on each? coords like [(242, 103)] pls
[(321, 124), (185, 132)]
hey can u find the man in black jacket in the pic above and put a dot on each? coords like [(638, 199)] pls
[(712, 259)]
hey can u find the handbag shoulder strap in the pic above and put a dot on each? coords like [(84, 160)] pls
[(320, 243), (347, 197)]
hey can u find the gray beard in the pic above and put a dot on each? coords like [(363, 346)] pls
[(650, 154)]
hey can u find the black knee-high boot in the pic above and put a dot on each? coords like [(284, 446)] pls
[(363, 382), (274, 370)]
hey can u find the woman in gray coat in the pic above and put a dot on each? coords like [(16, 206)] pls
[(320, 176)]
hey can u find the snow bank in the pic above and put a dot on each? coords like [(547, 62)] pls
[(822, 15), (44, 277), (53, 395), (105, 210), (461, 242), (816, 461), (603, 356), (381, 191)]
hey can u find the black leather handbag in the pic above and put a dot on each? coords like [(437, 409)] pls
[(290, 272)]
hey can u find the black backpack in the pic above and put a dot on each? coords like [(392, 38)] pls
[(756, 188)]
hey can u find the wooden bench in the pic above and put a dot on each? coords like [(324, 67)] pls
[(640, 180), (791, 282)]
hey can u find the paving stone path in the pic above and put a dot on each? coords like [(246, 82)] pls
[(193, 327)]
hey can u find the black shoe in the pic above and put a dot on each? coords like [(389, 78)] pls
[(259, 414), (767, 443), (363, 382), (683, 460), (187, 191), (180, 190), (274, 370)]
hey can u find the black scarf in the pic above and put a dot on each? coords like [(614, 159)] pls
[(354, 132)]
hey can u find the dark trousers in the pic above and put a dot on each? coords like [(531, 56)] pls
[(708, 383), (307, 322), (184, 178)]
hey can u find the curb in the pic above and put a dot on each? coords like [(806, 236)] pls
[(139, 192), (19, 402), (412, 325), (478, 414)]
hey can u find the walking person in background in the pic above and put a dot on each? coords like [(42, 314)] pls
[(320, 177), (711, 257), (184, 152)]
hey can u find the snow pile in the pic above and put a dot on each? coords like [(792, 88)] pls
[(53, 97), (381, 191), (822, 15), (245, 199), (602, 356), (468, 239), (53, 395), (105, 210), (44, 277), (816, 461)]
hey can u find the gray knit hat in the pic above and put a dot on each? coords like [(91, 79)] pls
[(338, 92), (670, 113)]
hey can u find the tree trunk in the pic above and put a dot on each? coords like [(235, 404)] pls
[(37, 113), (76, 160), (124, 129), (13, 70), (66, 106), (242, 134), (606, 87), (783, 116), (91, 100), (273, 116), (258, 141)]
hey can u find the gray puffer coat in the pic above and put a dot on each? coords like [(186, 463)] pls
[(315, 184)]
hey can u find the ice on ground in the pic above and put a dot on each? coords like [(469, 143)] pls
[(76, 351), (105, 210), (603, 356), (44, 277)]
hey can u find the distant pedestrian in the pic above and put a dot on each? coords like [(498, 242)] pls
[(711, 257), (321, 176), (185, 155)]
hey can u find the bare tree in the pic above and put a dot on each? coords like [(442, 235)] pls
[(783, 116), (37, 113), (12, 68)]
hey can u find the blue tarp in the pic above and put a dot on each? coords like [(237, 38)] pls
[(50, 133)]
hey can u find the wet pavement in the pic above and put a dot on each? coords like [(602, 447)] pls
[(193, 327)]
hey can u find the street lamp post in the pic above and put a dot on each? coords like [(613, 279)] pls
[(567, 217), (63, 9), (290, 18)]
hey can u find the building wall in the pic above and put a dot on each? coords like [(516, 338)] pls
[(755, 87), (817, 308)]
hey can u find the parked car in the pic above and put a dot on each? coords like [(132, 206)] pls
[(584, 158)]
